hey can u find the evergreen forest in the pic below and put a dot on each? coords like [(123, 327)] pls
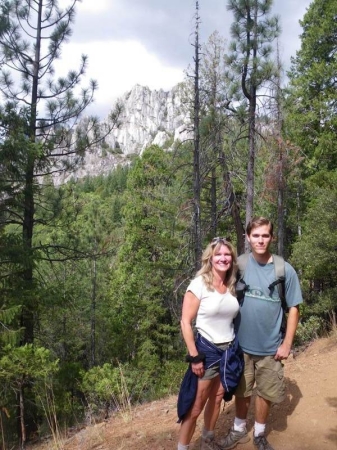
[(93, 272)]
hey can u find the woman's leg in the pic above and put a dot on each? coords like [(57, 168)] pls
[(188, 424), (213, 405)]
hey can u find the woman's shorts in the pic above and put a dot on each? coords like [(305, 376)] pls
[(213, 371), (268, 376)]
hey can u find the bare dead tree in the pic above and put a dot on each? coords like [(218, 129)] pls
[(197, 238)]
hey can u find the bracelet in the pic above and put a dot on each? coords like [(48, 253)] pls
[(195, 359)]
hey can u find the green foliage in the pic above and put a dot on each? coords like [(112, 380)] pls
[(313, 95), (9, 334), (105, 388), (74, 286), (250, 72), (315, 251), (68, 404), (36, 142), (311, 125), (23, 367), (219, 169), (169, 379), (308, 330), (110, 255), (142, 280), (109, 389), (252, 31)]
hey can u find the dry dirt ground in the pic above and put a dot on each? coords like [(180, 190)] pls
[(306, 420)]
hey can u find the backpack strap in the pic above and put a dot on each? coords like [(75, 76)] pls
[(242, 262), (241, 287), (279, 267)]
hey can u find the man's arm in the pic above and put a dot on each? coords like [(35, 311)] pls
[(284, 349)]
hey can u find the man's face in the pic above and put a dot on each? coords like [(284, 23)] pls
[(260, 239)]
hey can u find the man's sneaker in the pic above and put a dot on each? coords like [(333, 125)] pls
[(209, 444), (233, 438), (261, 442)]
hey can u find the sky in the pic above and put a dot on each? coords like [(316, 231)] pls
[(148, 42)]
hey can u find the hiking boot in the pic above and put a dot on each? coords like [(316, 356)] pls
[(261, 442), (234, 438), (209, 444)]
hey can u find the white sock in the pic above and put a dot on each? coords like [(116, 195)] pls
[(259, 428), (207, 434), (183, 447), (239, 424)]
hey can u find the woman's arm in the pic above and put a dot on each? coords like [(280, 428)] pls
[(189, 312)]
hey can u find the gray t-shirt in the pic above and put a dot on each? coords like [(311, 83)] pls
[(258, 323)]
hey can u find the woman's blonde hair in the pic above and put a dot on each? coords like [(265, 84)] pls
[(206, 264)]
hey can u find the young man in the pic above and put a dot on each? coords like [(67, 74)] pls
[(260, 336)]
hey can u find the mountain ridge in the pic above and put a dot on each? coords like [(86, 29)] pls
[(148, 117)]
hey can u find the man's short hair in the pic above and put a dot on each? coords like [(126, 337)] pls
[(258, 222)]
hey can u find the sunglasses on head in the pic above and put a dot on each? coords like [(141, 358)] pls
[(223, 240)]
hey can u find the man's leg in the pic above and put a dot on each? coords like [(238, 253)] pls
[(238, 433), (270, 388), (241, 407), (262, 407)]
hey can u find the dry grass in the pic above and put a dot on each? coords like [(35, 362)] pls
[(305, 420)]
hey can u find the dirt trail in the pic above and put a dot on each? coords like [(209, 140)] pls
[(306, 420)]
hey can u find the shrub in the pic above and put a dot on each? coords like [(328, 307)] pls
[(308, 330)]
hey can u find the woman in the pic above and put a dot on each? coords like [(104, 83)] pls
[(210, 300)]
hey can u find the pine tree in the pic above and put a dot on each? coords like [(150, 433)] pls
[(250, 68), (39, 120), (197, 233), (41, 134), (216, 126), (313, 119), (142, 279)]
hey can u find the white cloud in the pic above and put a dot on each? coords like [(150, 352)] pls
[(148, 42), (92, 6), (117, 67)]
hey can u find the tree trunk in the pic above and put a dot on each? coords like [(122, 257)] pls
[(22, 417), (27, 315), (29, 304), (214, 209), (251, 163), (280, 205), (93, 313), (239, 228), (234, 208), (280, 181), (196, 159)]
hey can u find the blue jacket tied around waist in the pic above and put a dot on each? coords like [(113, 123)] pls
[(231, 368)]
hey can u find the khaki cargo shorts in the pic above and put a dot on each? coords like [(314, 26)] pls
[(268, 376)]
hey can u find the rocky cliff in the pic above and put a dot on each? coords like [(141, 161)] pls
[(148, 117)]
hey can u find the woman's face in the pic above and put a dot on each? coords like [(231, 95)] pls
[(222, 259)]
